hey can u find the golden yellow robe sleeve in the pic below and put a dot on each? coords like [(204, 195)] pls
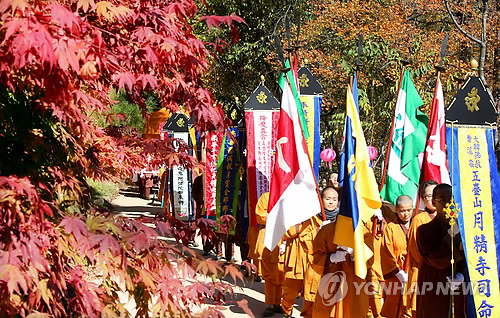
[(255, 236), (393, 252), (299, 246), (393, 249)]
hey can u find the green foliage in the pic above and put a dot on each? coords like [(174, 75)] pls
[(236, 71), (126, 114), (103, 191)]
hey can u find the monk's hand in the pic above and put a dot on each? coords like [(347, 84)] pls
[(349, 251), (338, 256), (378, 214), (402, 276), (324, 223), (456, 282)]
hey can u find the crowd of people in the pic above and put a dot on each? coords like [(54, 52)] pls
[(409, 274)]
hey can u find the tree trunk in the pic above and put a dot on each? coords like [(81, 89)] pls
[(482, 57), (496, 69)]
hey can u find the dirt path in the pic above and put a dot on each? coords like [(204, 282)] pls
[(129, 204)]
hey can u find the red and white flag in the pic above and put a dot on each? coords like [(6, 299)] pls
[(293, 197), (435, 165)]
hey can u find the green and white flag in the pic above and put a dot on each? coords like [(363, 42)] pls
[(407, 144)]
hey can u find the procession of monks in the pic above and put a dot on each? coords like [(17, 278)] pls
[(406, 275)]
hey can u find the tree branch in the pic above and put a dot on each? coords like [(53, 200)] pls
[(467, 34), (482, 58)]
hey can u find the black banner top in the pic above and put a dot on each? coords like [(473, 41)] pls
[(262, 99), (178, 123), (472, 105), (308, 83), (235, 114)]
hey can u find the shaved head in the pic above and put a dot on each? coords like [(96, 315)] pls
[(403, 199), (444, 191)]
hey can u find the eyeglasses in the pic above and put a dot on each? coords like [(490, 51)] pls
[(428, 197)]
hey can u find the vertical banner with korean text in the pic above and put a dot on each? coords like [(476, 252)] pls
[(312, 111), (476, 191), (228, 177), (213, 144), (311, 98), (244, 219), (261, 142), (180, 187)]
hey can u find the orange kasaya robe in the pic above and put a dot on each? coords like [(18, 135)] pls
[(272, 267), (255, 235), (272, 272), (375, 276), (351, 305), (393, 253), (297, 257), (414, 259)]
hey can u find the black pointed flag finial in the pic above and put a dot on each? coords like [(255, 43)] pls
[(277, 43), (298, 34), (288, 31), (444, 45), (360, 51), (279, 49)]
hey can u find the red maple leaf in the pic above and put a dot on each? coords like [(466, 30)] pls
[(125, 79), (147, 79), (74, 225), (243, 304), (234, 272), (216, 21), (107, 242), (62, 16)]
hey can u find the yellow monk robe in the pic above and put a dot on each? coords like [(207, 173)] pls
[(393, 252), (298, 255), (272, 272), (414, 259), (311, 282), (255, 235), (352, 305), (375, 276)]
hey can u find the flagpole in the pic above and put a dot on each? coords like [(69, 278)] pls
[(389, 144), (432, 113), (285, 70), (439, 68), (293, 62), (309, 158)]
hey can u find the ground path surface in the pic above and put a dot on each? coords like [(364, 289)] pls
[(129, 204)]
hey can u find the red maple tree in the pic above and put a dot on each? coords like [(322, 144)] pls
[(58, 62)]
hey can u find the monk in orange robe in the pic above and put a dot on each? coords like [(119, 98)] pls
[(255, 236), (298, 255), (393, 253), (335, 262), (375, 276), (272, 268), (414, 256), (330, 199), (434, 245)]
